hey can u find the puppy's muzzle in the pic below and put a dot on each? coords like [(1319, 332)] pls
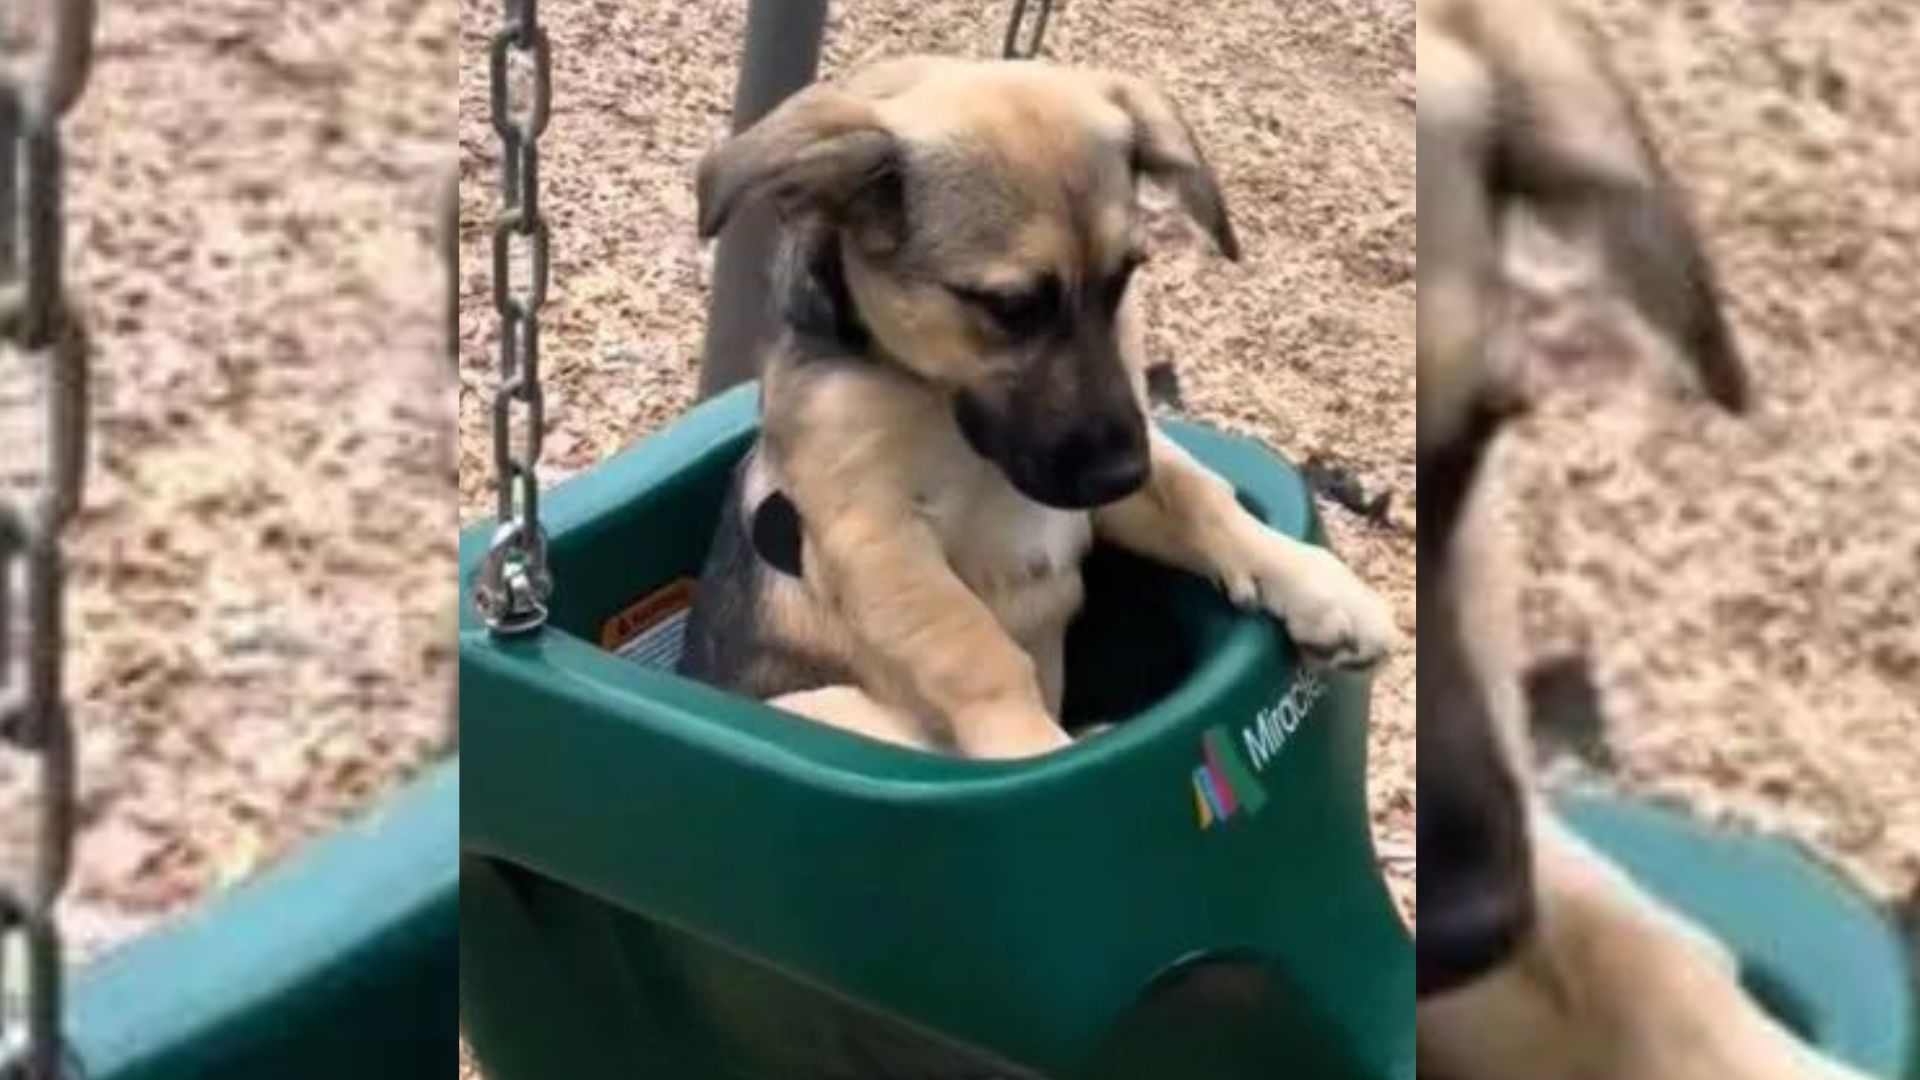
[(1094, 464), (1097, 459), (1472, 919), (1476, 900)]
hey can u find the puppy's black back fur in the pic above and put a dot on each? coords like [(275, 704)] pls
[(728, 642)]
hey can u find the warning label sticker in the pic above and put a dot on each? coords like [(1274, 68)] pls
[(651, 631)]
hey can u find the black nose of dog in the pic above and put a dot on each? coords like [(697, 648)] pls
[(1476, 899), (1467, 929), (1098, 463), (1111, 480)]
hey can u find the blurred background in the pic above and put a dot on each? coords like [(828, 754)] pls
[(261, 607), (1741, 596)]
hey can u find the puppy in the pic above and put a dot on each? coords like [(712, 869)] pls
[(956, 407), (1537, 958)]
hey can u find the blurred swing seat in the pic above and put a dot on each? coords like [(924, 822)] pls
[(340, 963), (662, 879), (1820, 958)]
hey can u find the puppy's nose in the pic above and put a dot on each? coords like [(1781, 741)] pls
[(1467, 929), (1094, 462), (1104, 460), (1112, 479)]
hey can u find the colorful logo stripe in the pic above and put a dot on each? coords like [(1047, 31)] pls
[(1224, 786)]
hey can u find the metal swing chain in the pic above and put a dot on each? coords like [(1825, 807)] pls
[(40, 330), (514, 581), (1023, 40)]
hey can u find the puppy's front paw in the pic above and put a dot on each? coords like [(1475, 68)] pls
[(1333, 616)]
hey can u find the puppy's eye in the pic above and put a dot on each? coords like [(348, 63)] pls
[(1017, 312)]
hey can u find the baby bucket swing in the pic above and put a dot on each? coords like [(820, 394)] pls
[(340, 962), (661, 879)]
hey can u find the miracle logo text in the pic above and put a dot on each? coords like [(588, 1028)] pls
[(1227, 783)]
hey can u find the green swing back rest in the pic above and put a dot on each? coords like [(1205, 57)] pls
[(1818, 955), (340, 963), (661, 879)]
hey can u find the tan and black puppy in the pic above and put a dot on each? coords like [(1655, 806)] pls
[(957, 409), (1538, 959)]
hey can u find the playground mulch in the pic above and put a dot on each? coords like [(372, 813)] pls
[(1747, 591), (252, 192)]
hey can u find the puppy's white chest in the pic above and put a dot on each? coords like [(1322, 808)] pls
[(997, 538), (1030, 542)]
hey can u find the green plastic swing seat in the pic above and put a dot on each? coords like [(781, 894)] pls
[(340, 963), (1821, 958), (661, 879)]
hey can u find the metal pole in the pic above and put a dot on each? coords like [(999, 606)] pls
[(782, 55)]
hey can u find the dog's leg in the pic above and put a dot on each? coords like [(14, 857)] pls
[(851, 708), (927, 635), (847, 447), (1188, 517)]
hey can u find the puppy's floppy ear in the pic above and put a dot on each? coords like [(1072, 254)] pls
[(1572, 142), (1164, 149), (813, 152), (1650, 243)]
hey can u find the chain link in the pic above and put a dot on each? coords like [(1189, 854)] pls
[(40, 331), (514, 581), (1024, 39)]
